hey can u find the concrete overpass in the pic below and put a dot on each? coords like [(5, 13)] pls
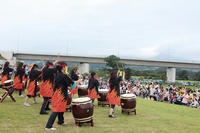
[(84, 62)]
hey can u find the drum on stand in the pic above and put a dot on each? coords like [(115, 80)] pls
[(8, 86), (83, 90), (8, 83), (82, 110), (128, 103), (69, 101), (103, 94)]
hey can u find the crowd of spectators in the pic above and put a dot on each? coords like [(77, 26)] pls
[(157, 92)]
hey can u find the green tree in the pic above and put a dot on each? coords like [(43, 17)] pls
[(72, 67), (197, 76), (114, 62), (164, 77), (128, 73), (183, 75), (104, 73)]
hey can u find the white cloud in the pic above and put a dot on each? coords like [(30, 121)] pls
[(141, 29), (150, 51)]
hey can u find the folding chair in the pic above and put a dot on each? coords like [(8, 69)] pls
[(8, 87)]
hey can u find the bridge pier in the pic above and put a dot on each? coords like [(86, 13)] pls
[(84, 68), (9, 57), (171, 74)]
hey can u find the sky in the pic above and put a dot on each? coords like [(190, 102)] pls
[(147, 29)]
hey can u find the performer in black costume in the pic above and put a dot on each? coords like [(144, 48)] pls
[(6, 73), (74, 77), (46, 85), (19, 84), (59, 98), (113, 96), (93, 87), (35, 74)]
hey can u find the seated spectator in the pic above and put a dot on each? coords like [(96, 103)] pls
[(144, 92), (156, 94), (152, 91), (198, 94), (195, 102), (137, 91), (166, 95), (186, 99), (172, 97), (161, 96), (178, 98)]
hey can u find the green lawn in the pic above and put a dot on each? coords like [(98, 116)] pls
[(188, 81), (137, 77), (152, 117), (190, 87)]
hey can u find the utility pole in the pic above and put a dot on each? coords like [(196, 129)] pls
[(18, 41), (118, 49)]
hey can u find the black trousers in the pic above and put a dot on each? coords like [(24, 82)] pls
[(53, 118), (112, 106), (45, 104), (93, 100), (20, 91), (13, 90)]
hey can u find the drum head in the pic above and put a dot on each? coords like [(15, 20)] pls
[(8, 81), (82, 86), (81, 100), (69, 92), (103, 90), (128, 96)]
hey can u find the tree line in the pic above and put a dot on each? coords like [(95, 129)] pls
[(113, 62)]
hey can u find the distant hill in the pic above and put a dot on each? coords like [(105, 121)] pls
[(163, 57), (168, 57)]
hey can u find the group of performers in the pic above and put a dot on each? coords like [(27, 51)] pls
[(55, 84)]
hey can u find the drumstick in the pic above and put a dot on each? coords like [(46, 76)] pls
[(123, 67), (117, 66), (57, 57)]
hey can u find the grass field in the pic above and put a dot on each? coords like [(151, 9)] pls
[(152, 117), (166, 85), (190, 87), (142, 77), (187, 81)]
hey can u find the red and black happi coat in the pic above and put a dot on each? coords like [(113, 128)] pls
[(18, 79), (93, 88), (32, 86), (5, 75), (47, 81), (113, 96), (59, 98), (74, 77)]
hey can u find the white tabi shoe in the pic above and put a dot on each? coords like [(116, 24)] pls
[(27, 105), (50, 129)]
